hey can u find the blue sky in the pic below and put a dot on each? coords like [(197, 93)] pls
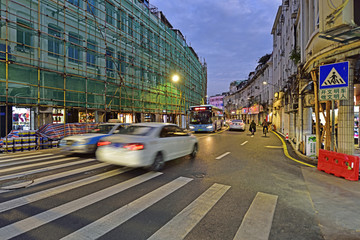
[(231, 35)]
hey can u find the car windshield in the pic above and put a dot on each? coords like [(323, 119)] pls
[(203, 117), (136, 130), (102, 129)]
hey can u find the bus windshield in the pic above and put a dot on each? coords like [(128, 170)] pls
[(202, 117)]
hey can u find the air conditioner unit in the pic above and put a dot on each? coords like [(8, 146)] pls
[(338, 18), (309, 100)]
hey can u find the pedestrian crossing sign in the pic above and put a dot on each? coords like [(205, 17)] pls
[(334, 75), (334, 81)]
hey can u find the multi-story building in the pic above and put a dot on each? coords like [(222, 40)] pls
[(217, 101), (328, 33), (306, 35), (84, 61)]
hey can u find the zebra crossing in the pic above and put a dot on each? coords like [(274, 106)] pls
[(256, 223)]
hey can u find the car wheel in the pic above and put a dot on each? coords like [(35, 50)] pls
[(194, 151), (158, 163)]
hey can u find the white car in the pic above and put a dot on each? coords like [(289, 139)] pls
[(87, 143), (236, 124), (147, 145)]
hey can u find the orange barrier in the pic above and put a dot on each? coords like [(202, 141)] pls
[(339, 164)]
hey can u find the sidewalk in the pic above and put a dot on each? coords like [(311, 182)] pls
[(335, 200)]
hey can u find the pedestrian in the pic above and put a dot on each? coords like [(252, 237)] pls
[(265, 125), (252, 128)]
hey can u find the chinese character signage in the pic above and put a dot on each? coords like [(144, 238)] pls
[(334, 94)]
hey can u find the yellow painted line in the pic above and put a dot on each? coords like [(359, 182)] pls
[(214, 133), (287, 153), (220, 131)]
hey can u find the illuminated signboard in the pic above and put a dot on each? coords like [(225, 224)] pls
[(200, 108)]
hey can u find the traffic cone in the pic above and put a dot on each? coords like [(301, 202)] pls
[(287, 137)]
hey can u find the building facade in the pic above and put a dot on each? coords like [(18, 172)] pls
[(90, 61), (217, 101), (307, 35)]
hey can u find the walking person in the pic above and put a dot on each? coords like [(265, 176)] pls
[(252, 128), (265, 125)]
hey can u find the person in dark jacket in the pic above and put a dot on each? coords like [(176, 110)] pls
[(252, 128)]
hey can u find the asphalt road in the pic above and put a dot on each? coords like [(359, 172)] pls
[(238, 187)]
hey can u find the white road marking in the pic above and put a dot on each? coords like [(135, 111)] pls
[(252, 135), (244, 143), (59, 175), (221, 156), (258, 219), (118, 217), (36, 164), (15, 155), (21, 174), (14, 162), (189, 217), (14, 158), (5, 206), (40, 219), (274, 146)]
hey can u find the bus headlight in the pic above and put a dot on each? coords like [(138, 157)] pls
[(209, 127), (191, 127)]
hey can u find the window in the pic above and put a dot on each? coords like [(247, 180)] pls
[(122, 63), (74, 48), (130, 26), (110, 13), (54, 41), (90, 6), (91, 53), (122, 20), (23, 34), (109, 61), (75, 2)]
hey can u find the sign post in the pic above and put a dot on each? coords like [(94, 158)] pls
[(334, 85)]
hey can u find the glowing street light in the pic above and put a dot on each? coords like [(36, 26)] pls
[(175, 78)]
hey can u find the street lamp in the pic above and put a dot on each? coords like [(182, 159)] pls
[(175, 78)]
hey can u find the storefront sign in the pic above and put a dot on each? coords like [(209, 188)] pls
[(254, 109), (245, 110)]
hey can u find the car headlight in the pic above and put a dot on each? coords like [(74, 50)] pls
[(209, 127)]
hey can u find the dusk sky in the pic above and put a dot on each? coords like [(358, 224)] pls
[(231, 35)]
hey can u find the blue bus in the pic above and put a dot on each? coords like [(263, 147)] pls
[(206, 118)]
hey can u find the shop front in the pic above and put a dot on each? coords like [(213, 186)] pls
[(58, 115), (21, 118)]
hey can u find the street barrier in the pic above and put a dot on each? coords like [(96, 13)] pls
[(339, 164)]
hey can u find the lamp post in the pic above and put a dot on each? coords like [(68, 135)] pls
[(176, 78)]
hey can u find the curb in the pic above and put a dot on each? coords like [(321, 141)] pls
[(287, 153), (300, 155)]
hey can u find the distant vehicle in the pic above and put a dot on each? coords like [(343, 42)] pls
[(147, 145), (206, 118), (236, 124), (87, 143)]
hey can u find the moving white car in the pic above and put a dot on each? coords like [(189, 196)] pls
[(87, 143), (147, 145), (236, 124)]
